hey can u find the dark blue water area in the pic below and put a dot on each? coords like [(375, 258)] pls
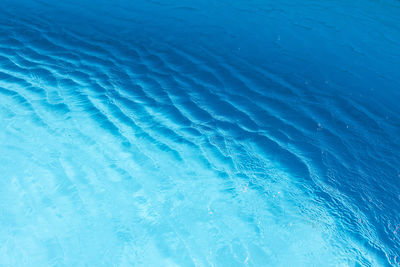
[(199, 133)]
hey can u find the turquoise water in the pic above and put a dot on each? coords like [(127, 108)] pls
[(200, 133)]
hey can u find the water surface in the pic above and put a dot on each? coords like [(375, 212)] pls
[(200, 133)]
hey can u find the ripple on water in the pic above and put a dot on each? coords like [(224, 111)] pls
[(114, 149)]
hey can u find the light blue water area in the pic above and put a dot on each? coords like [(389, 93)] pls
[(199, 133)]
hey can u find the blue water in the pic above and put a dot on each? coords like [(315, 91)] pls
[(199, 133)]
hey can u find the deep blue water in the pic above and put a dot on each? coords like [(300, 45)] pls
[(199, 133)]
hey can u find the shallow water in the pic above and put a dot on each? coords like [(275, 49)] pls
[(207, 133)]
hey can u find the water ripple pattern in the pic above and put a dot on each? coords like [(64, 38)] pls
[(207, 133)]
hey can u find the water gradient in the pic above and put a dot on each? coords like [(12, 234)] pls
[(206, 133)]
